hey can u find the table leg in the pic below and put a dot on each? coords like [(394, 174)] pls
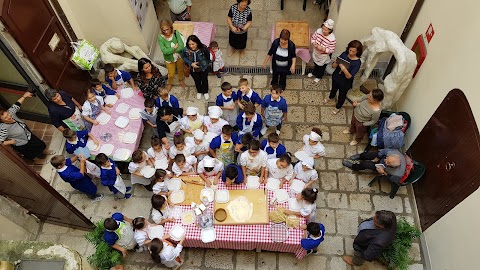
[(259, 249), (304, 66), (304, 4)]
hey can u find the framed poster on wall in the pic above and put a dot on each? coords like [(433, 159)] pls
[(140, 8)]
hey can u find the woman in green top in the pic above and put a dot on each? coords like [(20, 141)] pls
[(171, 43)]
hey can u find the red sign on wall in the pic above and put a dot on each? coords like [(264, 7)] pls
[(430, 32)]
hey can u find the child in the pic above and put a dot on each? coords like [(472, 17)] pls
[(218, 63), (242, 145), (307, 197), (198, 143), (312, 237), (180, 147), (222, 146), (305, 171), (149, 115), (117, 78), (139, 161), (312, 145), (324, 43), (254, 162), (119, 233), (249, 121), (159, 187), (76, 141), (182, 167), (110, 176), (164, 251), (141, 230), (227, 101), (102, 90), (191, 122), (210, 167), (76, 177), (273, 147), (160, 209), (213, 123), (274, 109), (246, 95), (157, 152), (232, 175), (280, 168), (165, 99), (92, 107)]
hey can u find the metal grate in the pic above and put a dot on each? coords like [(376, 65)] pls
[(376, 73)]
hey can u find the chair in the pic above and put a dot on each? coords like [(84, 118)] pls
[(416, 173), (386, 114)]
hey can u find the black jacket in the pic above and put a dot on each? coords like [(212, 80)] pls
[(371, 243), (291, 54)]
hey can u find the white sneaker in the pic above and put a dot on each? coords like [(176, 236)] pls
[(277, 131), (199, 96), (263, 131), (309, 75), (207, 96), (98, 198), (316, 80)]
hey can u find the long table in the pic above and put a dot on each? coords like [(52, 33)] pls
[(205, 31)]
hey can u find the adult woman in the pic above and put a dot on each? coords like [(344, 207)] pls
[(197, 56), (282, 53), (64, 111), (239, 20), (342, 77), (324, 43), (172, 44), (365, 114), (168, 123), (16, 133), (149, 78)]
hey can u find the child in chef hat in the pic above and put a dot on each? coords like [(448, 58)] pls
[(312, 145), (198, 143), (210, 167), (213, 122), (305, 171), (191, 122)]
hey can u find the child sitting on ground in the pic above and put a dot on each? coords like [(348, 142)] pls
[(274, 109), (227, 101), (158, 152), (254, 162), (149, 115), (232, 175), (110, 177), (312, 145), (139, 161), (312, 237), (117, 78), (198, 143), (119, 233), (307, 198), (218, 63), (182, 167), (165, 99), (246, 95), (222, 146), (164, 251), (102, 90), (160, 187), (213, 123), (210, 167), (280, 168), (273, 147), (160, 209), (249, 121), (191, 122), (304, 171), (76, 177), (91, 109)]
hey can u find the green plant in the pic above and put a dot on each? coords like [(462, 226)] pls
[(105, 256), (396, 256)]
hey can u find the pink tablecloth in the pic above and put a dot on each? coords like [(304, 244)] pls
[(135, 125), (303, 53), (205, 31), (241, 237)]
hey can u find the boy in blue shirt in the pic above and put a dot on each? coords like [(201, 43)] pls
[(274, 109), (222, 147), (246, 95), (76, 177), (232, 175), (273, 147), (164, 99), (312, 237), (110, 177), (76, 142), (249, 121), (116, 78), (102, 90), (227, 101), (119, 233)]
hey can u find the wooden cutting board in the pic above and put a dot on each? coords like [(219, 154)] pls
[(257, 197), (193, 179), (299, 32), (192, 193), (185, 28)]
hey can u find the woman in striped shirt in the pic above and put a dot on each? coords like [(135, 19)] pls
[(323, 41)]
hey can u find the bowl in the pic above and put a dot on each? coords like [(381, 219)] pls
[(220, 214)]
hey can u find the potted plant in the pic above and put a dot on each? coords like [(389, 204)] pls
[(396, 256), (105, 257)]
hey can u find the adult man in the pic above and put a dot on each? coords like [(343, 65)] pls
[(180, 10), (374, 235), (388, 162)]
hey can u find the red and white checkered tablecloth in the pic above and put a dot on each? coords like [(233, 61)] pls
[(205, 31), (241, 237), (303, 53)]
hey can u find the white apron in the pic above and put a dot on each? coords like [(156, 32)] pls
[(125, 236), (120, 81), (174, 127), (247, 128), (230, 116), (120, 185), (140, 179), (273, 116), (75, 122), (270, 156), (92, 169)]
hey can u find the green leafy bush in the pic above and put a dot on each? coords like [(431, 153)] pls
[(105, 256), (396, 256)]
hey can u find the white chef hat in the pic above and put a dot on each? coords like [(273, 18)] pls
[(314, 136), (214, 112), (308, 162), (198, 134), (192, 110), (208, 162), (328, 23), (191, 160)]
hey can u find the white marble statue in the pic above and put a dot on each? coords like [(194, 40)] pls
[(374, 45), (124, 57)]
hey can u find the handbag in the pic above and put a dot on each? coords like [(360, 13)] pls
[(186, 70)]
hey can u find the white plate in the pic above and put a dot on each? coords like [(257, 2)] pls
[(209, 193), (178, 196), (130, 137), (294, 205), (111, 99), (297, 185), (273, 184), (174, 184), (253, 182), (208, 235), (156, 232), (103, 118), (92, 146), (301, 155), (222, 196), (161, 164), (122, 108), (188, 217), (147, 171), (107, 149), (209, 137), (134, 113), (122, 122), (177, 232), (127, 93), (281, 195), (121, 154)]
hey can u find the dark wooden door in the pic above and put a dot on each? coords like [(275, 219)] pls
[(449, 146), (34, 25)]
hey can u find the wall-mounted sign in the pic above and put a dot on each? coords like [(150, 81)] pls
[(54, 42), (430, 32)]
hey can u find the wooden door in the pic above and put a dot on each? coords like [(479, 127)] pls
[(36, 28), (449, 146)]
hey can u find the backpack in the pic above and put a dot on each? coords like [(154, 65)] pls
[(408, 168)]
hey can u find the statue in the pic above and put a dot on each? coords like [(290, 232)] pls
[(381, 41), (124, 57)]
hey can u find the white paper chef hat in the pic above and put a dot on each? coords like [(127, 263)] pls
[(314, 136), (328, 23), (198, 134), (308, 162), (208, 162), (214, 112), (192, 110)]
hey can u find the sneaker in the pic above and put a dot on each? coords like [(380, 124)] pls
[(128, 189), (263, 131), (309, 75), (219, 75), (354, 142), (277, 131), (206, 96), (347, 163), (98, 198), (355, 157), (316, 80), (310, 251), (346, 131), (139, 249), (325, 100), (128, 196), (199, 96), (148, 187)]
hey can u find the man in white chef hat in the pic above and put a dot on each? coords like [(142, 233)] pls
[(198, 143), (213, 122), (210, 168)]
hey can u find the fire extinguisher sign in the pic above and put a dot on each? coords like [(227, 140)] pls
[(430, 32)]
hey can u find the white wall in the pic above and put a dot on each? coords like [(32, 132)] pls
[(99, 20), (453, 240)]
